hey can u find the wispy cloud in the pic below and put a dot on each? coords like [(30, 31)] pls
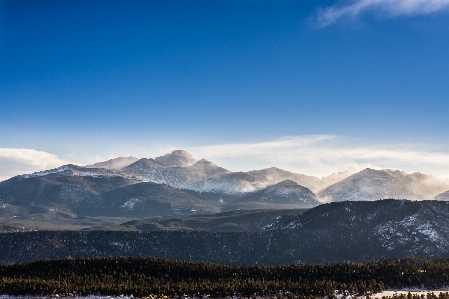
[(16, 161), (391, 8), (323, 155)]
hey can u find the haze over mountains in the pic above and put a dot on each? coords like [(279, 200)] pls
[(181, 170), (166, 206), (179, 184), (370, 184)]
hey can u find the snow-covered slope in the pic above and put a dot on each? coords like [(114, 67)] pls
[(190, 177), (337, 177), (74, 170), (116, 163), (370, 184), (179, 169)]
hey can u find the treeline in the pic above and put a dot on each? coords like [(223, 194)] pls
[(144, 276)]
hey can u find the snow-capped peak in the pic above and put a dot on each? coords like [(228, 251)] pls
[(177, 158)]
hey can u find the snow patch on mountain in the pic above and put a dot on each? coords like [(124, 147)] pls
[(47, 172), (129, 204)]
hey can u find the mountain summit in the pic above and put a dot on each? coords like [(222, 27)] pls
[(177, 158)]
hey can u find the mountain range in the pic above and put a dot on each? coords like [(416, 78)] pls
[(178, 207), (183, 171), (179, 184)]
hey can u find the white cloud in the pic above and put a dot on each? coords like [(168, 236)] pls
[(323, 155), (17, 161), (392, 8)]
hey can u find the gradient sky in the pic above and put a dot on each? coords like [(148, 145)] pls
[(89, 80)]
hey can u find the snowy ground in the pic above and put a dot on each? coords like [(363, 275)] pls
[(405, 291), (375, 296)]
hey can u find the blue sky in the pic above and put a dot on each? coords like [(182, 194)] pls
[(89, 80)]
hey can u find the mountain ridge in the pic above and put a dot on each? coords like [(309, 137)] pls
[(72, 191), (370, 184), (336, 232)]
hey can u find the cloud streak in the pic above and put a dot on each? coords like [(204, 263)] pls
[(390, 8), (323, 155), (17, 161)]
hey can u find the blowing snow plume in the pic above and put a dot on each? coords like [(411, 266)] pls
[(116, 163)]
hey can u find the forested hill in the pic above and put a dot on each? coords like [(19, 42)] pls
[(336, 232), (144, 276)]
